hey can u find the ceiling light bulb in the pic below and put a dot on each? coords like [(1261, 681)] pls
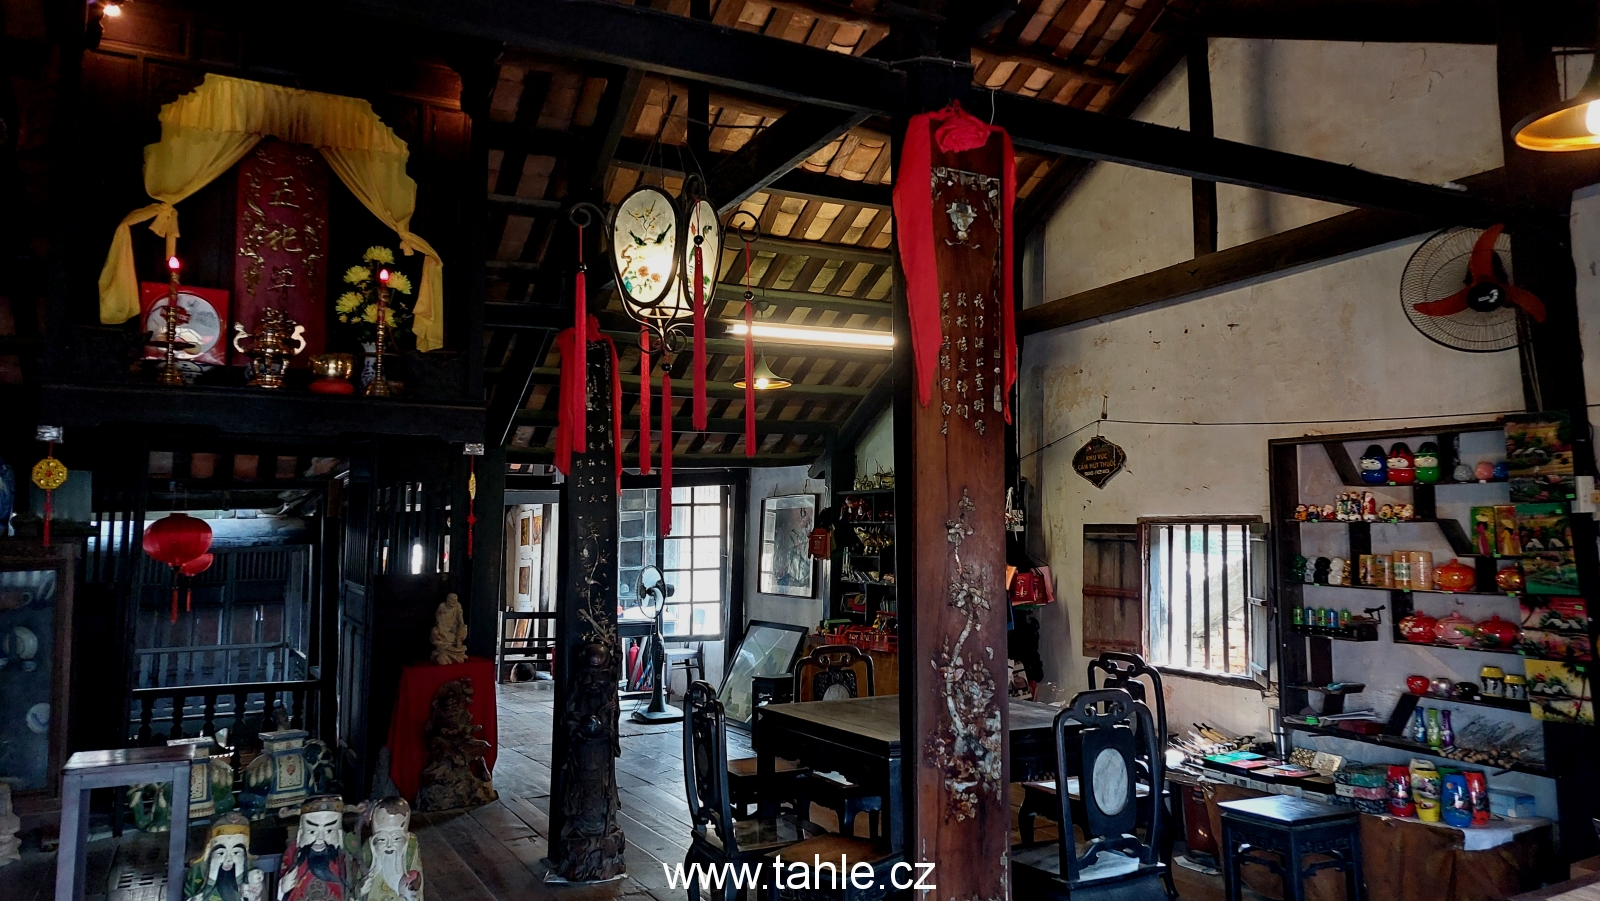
[(113, 10), (1591, 117), (761, 384), (808, 335)]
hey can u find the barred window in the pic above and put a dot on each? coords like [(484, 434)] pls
[(1204, 592)]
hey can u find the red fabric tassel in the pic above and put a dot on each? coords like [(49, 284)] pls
[(958, 131), (49, 511), (573, 419), (645, 375), (174, 601), (575, 393), (664, 496), (699, 418)]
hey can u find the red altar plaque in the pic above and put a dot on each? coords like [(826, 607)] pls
[(206, 327), (283, 239)]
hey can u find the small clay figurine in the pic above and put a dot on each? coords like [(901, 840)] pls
[(1427, 463), (1501, 471), (1369, 507), (1322, 571), (317, 865), (1336, 571), (1374, 466), (1402, 466), (449, 633), (223, 871), (1406, 513), (1462, 473), (393, 861), (1386, 513), (1300, 512), (1297, 569), (1485, 470), (1328, 513)]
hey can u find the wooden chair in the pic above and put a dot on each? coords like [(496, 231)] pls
[(716, 837), (833, 672), (1115, 750), (526, 638), (691, 658)]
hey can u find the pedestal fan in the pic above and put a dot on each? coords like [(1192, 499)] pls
[(653, 592)]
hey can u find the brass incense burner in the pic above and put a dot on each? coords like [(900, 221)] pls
[(270, 350)]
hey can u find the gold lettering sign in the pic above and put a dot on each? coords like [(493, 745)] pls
[(1098, 460)]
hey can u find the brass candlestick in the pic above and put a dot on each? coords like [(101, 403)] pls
[(174, 315), (379, 386)]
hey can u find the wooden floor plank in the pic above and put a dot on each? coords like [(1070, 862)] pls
[(448, 877)]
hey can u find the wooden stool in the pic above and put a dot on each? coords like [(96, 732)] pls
[(88, 770), (1292, 828)]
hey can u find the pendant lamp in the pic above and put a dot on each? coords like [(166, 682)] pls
[(1570, 125), (764, 378)]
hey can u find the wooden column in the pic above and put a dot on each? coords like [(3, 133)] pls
[(1201, 122), (950, 463), (586, 844)]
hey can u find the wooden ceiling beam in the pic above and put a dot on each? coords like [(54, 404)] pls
[(549, 375), (1029, 56), (776, 150), (523, 315), (1303, 246), (1052, 128), (1371, 21), (662, 43), (638, 154), (848, 253), (683, 461)]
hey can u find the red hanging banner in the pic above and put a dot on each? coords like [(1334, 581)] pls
[(282, 236), (699, 417)]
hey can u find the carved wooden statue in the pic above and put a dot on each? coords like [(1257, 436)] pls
[(393, 863), (223, 871), (589, 831), (456, 775), (449, 633)]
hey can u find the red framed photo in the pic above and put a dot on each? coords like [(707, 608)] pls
[(206, 327)]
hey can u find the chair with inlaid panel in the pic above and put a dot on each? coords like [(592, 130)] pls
[(1109, 739), (830, 673), (1124, 671), (716, 837)]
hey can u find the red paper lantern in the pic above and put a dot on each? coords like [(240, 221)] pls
[(177, 539), (198, 565)]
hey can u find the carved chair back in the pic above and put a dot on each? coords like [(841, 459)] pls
[(832, 672), (1117, 749), (705, 765), (1124, 671)]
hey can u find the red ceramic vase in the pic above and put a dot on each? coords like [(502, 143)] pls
[(1418, 628)]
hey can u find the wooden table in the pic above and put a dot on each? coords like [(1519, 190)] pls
[(860, 738), (87, 770), (1583, 888)]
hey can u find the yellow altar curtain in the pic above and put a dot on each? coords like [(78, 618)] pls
[(204, 132)]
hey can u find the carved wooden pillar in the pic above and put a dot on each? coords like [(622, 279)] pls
[(586, 843), (950, 472)]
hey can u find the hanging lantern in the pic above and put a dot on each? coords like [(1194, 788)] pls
[(763, 378), (177, 539), (644, 252)]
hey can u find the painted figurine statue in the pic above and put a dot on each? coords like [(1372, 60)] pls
[(316, 866), (223, 871), (449, 633), (393, 865)]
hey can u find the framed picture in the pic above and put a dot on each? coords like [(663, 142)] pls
[(767, 649), (786, 566), (206, 327)]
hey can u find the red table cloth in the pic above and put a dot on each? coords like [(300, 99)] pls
[(408, 748)]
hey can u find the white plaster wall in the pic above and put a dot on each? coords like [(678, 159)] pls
[(768, 482), (1423, 112), (1325, 343), (875, 450)]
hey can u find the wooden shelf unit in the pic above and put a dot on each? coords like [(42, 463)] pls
[(877, 596)]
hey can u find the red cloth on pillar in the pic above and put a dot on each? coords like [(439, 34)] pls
[(408, 747), (955, 130)]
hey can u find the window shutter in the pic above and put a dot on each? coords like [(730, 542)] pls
[(1113, 602), (1262, 639)]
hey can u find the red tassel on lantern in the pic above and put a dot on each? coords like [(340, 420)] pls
[(699, 418), (575, 392), (191, 569), (644, 401), (664, 496)]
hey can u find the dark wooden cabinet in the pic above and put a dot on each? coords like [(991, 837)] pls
[(36, 589)]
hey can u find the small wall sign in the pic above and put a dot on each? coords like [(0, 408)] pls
[(1099, 460)]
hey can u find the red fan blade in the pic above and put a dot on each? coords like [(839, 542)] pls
[(1447, 306), (1527, 300), (1481, 266)]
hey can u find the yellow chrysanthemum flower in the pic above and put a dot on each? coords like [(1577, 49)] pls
[(378, 254), (348, 302), (399, 282), (355, 275), (370, 314)]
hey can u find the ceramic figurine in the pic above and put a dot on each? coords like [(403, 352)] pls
[(319, 768), (1386, 513), (1300, 512), (1342, 507), (317, 865), (1402, 466), (1374, 466), (1328, 514), (1336, 571), (1297, 569), (1485, 471), (1501, 471), (1369, 506), (10, 824), (1405, 513), (449, 633), (1427, 463), (223, 871), (1320, 576), (393, 863), (1311, 572), (1462, 473)]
